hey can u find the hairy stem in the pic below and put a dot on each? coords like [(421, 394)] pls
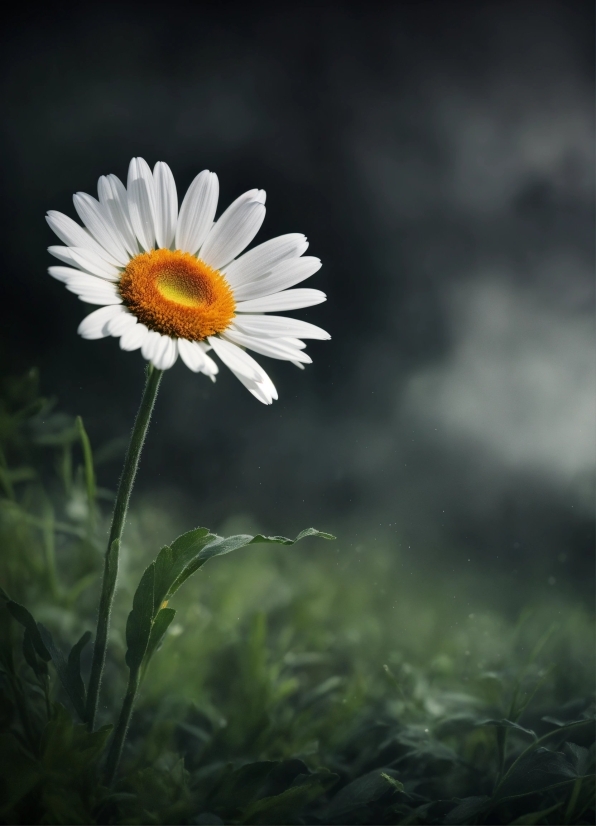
[(119, 737), (110, 574)]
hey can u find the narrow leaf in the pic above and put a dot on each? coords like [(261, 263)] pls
[(74, 664), (75, 691), (39, 666), (509, 724), (23, 616)]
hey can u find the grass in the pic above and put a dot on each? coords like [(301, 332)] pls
[(322, 683)]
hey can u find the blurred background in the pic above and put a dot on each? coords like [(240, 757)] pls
[(440, 158)]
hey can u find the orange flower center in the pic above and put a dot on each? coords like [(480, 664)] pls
[(177, 295)]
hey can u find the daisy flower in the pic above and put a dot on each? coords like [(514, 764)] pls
[(172, 282)]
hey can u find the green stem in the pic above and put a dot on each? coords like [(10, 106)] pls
[(535, 745), (577, 786), (110, 574), (119, 737)]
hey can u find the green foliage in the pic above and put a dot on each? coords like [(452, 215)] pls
[(149, 619), (325, 686)]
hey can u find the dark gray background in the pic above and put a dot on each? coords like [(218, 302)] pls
[(440, 158)]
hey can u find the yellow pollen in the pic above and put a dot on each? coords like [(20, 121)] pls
[(176, 294)]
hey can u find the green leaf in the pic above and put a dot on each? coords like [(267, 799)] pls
[(541, 769), (467, 810), (190, 541), (73, 687), (163, 568), (68, 747), (175, 563), (172, 561), (509, 724), (23, 616), (537, 817), (359, 793), (18, 775), (279, 808), (564, 724), (579, 757), (220, 546), (239, 787), (140, 619), (158, 629), (74, 662), (33, 661)]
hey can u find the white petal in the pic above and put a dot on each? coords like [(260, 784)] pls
[(150, 345), (234, 231), (264, 391), (211, 367), (276, 326), (192, 355), (63, 273), (236, 359), (99, 223), (284, 275), (113, 197), (141, 202), (93, 290), (83, 283), (85, 260), (275, 348), (197, 212), (287, 300), (258, 390), (74, 235), (134, 337), (99, 298), (166, 205), (246, 369), (294, 342), (88, 261), (93, 326), (61, 253), (119, 325), (262, 259), (166, 354)]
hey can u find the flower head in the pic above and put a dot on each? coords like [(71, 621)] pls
[(173, 282)]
